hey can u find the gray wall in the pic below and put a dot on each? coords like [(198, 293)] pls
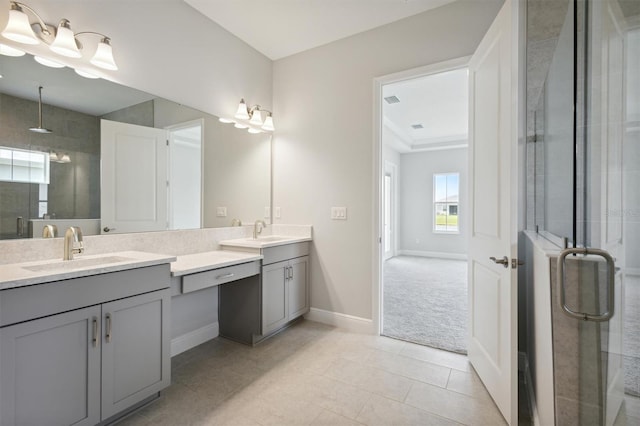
[(416, 202), (324, 147)]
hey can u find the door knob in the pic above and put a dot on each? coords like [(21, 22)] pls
[(504, 261), (107, 229)]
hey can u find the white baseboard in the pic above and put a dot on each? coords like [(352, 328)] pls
[(348, 322), (436, 254), (194, 338), (530, 393)]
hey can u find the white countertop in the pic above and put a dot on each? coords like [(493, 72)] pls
[(264, 241), (38, 272), (192, 263)]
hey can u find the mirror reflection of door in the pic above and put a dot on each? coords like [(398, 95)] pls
[(134, 178), (185, 177)]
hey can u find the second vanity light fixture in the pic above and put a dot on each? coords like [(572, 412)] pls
[(250, 118), (61, 40)]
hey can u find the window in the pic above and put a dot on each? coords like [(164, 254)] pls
[(445, 202), (19, 165)]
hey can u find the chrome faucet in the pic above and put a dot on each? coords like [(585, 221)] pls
[(258, 227), (49, 231), (71, 237)]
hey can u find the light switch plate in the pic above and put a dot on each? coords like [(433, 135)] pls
[(338, 213), (221, 211), (278, 212)]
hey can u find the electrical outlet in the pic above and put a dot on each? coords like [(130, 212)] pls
[(221, 211), (338, 213)]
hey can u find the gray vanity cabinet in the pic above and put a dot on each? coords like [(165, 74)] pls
[(50, 370), (135, 341), (102, 348), (285, 294), (275, 297)]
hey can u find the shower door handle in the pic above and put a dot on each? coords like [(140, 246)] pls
[(504, 261), (611, 278)]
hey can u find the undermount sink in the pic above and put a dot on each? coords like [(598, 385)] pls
[(68, 265)]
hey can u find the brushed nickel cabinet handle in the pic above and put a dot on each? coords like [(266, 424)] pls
[(94, 338), (108, 335)]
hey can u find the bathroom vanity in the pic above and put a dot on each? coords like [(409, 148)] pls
[(83, 341), (89, 340), (284, 288)]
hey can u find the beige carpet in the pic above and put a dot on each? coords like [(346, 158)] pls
[(425, 301)]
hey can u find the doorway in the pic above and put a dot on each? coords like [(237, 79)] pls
[(424, 186)]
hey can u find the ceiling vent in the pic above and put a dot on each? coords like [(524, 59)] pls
[(392, 99), (417, 126)]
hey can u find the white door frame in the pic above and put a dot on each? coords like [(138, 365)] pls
[(378, 170)]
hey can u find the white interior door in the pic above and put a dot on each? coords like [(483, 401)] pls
[(493, 199), (134, 178)]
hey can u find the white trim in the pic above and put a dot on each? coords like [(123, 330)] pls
[(436, 254), (194, 338), (348, 322), (377, 200), (528, 381)]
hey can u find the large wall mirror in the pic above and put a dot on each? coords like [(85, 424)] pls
[(56, 176)]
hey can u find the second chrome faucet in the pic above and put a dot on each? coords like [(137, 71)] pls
[(258, 227), (72, 242)]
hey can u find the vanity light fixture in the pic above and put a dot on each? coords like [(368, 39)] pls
[(251, 118), (62, 40)]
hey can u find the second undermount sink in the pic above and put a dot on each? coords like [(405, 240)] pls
[(69, 265)]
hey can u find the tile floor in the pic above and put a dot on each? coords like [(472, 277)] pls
[(313, 374)]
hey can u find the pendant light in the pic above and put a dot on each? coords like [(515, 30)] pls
[(40, 129)]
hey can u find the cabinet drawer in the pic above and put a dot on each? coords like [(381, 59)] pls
[(215, 277), (284, 252)]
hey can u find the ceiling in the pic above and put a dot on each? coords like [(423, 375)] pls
[(438, 102), (63, 88), (280, 28)]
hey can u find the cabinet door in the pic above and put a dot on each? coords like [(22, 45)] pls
[(135, 350), (50, 370), (274, 297), (298, 291)]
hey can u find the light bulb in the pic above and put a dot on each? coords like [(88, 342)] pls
[(103, 57), (256, 118), (268, 124), (18, 27), (10, 51), (65, 42), (242, 113), (48, 62)]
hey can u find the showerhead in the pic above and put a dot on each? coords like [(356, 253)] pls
[(40, 129)]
